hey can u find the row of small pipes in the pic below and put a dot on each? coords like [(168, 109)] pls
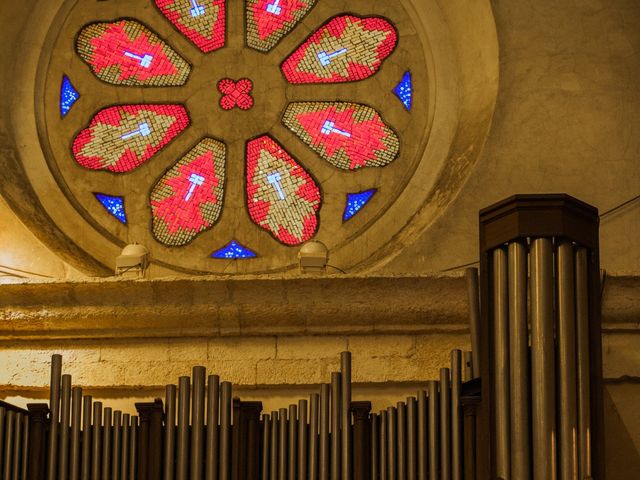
[(14, 439), (417, 439), (422, 438), (87, 441), (311, 440)]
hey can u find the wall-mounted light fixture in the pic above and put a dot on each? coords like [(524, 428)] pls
[(134, 260), (313, 257)]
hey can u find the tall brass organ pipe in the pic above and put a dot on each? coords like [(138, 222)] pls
[(541, 374)]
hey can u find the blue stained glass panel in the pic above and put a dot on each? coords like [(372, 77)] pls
[(356, 201), (234, 250), (68, 96), (114, 205), (404, 90)]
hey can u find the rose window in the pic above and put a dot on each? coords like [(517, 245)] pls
[(217, 132)]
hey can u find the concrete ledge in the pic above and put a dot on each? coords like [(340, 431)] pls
[(111, 308)]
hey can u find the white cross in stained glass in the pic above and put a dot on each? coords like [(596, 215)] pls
[(326, 58), (195, 180), (329, 127), (274, 8), (143, 130), (145, 60)]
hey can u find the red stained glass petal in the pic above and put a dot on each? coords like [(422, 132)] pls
[(125, 52), (268, 21), (346, 49), (347, 135), (201, 21), (188, 199), (121, 138), (282, 197)]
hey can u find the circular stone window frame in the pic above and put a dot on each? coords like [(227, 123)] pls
[(460, 42)]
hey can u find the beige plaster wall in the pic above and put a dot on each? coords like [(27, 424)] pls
[(567, 120), (23, 256)]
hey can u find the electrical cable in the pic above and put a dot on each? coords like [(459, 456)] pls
[(12, 269), (339, 269), (622, 205)]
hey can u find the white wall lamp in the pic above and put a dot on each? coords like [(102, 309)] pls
[(133, 261), (313, 257)]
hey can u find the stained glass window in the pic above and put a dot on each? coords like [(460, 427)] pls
[(187, 194), (234, 250), (355, 203), (126, 52), (282, 197), (346, 49), (188, 199), (404, 90), (114, 205), (347, 135), (201, 21), (268, 21), (68, 96), (122, 138)]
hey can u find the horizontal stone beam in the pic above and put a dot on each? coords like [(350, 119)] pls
[(247, 306), (107, 308)]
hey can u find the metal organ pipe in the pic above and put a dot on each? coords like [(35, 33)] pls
[(473, 291), (434, 423), (116, 456), (336, 402), (213, 408), (225, 431), (567, 379), (65, 424), (324, 451), (401, 408), (313, 436), (423, 436), (106, 443), (169, 432), (520, 378), (182, 459), (275, 439), (412, 415), (303, 440), (76, 432), (584, 373), (543, 361), (345, 417), (500, 311), (54, 406), (197, 421), (97, 441), (86, 437), (456, 416)]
